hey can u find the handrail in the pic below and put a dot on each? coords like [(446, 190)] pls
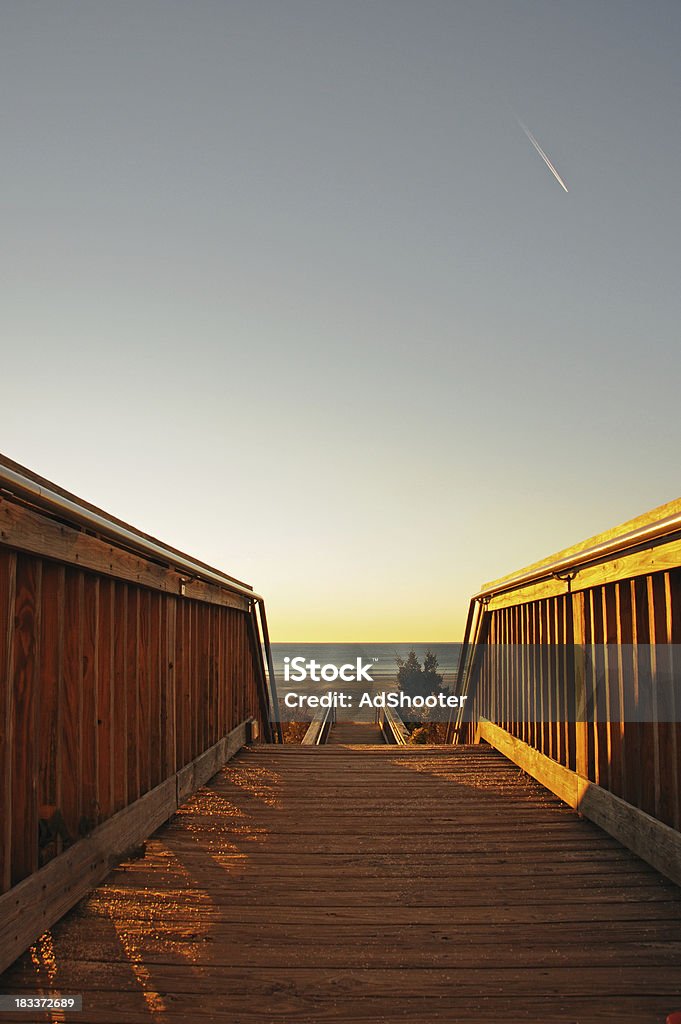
[(319, 727), (270, 669), (21, 482), (557, 568), (664, 528), (469, 653), (392, 727)]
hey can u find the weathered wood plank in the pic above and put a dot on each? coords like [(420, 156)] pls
[(156, 681), (105, 700), (673, 604), (650, 560), (498, 902), (579, 706), (72, 717), (26, 530), (646, 519), (90, 733), (169, 688), (470, 1007), (650, 839), (132, 674), (35, 903), (207, 764), (145, 698), (8, 568), (25, 718), (51, 698), (121, 739)]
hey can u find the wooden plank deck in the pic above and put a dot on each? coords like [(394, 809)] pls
[(354, 733), (370, 884)]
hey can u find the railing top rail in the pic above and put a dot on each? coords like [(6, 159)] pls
[(319, 727), (661, 524), (22, 483), (392, 721)]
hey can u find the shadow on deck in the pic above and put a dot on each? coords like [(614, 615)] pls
[(375, 884)]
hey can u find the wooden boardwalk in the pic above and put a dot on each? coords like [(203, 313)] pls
[(354, 733), (370, 884)]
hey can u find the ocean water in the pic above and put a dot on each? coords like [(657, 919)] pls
[(384, 667)]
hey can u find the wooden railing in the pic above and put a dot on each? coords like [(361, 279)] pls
[(128, 674), (319, 728), (550, 658), (393, 729)]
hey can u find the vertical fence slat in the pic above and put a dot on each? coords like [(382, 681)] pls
[(25, 730), (197, 681), (176, 642), (184, 642), (133, 695), (90, 735), (144, 696), (122, 739), (614, 689), (170, 685), (219, 674), (8, 565), (231, 649), (154, 658), (73, 702), (214, 719), (580, 685), (647, 729), (556, 680), (51, 712), (105, 699), (631, 739), (203, 677), (568, 638), (674, 633), (662, 746)]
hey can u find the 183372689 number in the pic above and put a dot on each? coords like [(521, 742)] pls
[(28, 1001)]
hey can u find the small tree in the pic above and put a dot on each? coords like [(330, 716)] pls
[(418, 681), (432, 679)]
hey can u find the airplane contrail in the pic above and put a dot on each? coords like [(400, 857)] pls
[(543, 155)]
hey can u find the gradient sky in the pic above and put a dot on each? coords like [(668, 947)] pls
[(285, 284)]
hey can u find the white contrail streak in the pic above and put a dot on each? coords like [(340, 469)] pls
[(543, 155)]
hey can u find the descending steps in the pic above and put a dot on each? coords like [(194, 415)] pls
[(355, 733)]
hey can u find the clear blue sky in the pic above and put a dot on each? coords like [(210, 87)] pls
[(285, 284)]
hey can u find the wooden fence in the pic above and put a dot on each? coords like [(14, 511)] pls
[(550, 654), (125, 681)]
